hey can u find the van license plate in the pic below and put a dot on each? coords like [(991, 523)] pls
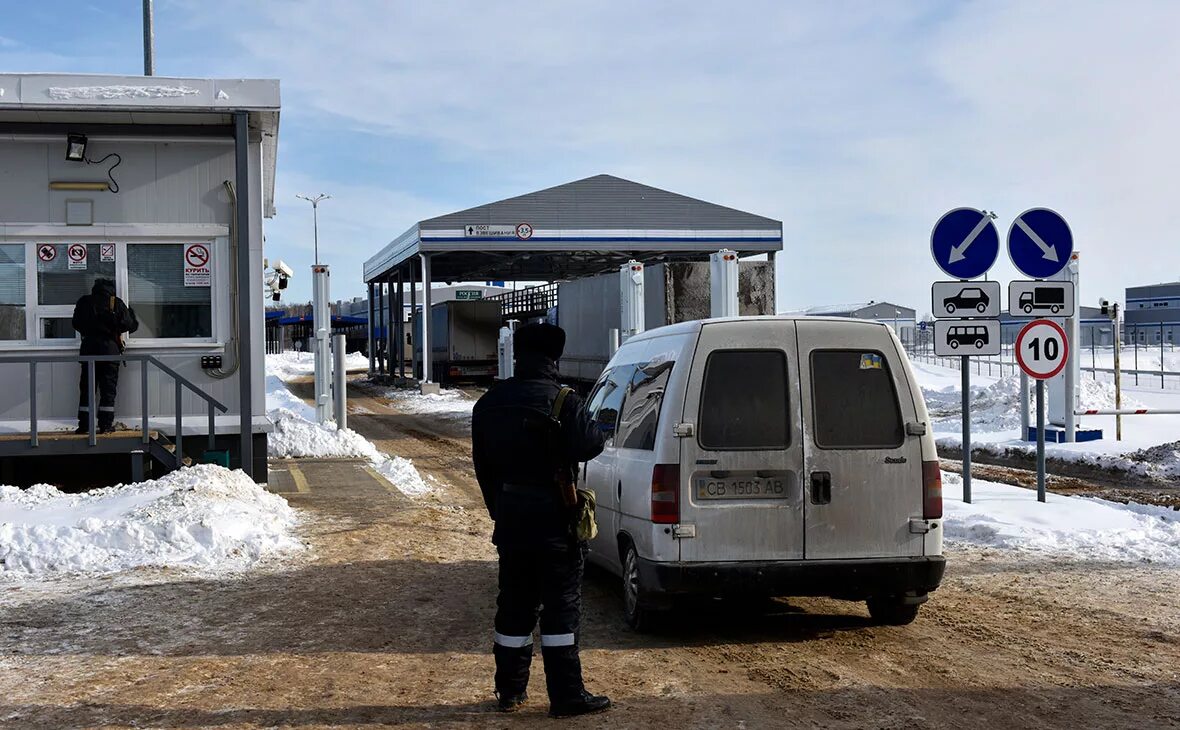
[(738, 485)]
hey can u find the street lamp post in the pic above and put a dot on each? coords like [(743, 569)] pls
[(315, 220)]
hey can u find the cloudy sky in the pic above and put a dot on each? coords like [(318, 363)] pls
[(855, 123)]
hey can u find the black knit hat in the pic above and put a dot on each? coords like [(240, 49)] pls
[(542, 339)]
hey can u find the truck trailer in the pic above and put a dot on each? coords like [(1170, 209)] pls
[(675, 292), (463, 340)]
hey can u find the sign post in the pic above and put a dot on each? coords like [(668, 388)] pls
[(964, 244), (1042, 350)]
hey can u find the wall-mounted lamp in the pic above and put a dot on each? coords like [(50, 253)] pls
[(76, 148), (66, 185)]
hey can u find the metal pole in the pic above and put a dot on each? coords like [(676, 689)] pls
[(179, 427), (415, 319), (388, 319), (149, 40), (92, 406), (1135, 343), (33, 404), (339, 383), (1040, 440), (401, 325), (246, 297), (966, 373), (372, 336), (1162, 384), (1118, 380), (1024, 415), (315, 228), (427, 354)]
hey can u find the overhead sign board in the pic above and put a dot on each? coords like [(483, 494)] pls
[(1039, 243), (197, 269), (964, 243), (488, 231), (954, 337), (77, 254), (1042, 349), (1041, 299), (468, 294), (965, 299)]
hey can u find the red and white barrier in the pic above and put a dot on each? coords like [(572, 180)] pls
[(1126, 412)]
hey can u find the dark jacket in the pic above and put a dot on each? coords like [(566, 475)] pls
[(101, 318), (514, 442)]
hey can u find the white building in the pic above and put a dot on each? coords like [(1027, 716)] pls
[(170, 182)]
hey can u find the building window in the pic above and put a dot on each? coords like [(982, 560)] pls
[(63, 278), (12, 292), (157, 291)]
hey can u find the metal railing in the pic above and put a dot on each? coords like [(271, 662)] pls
[(526, 301), (179, 381)]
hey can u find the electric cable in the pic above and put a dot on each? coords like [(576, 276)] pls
[(111, 171)]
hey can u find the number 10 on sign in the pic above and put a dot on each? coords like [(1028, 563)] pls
[(1042, 351)]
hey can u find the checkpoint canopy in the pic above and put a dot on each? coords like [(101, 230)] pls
[(581, 228)]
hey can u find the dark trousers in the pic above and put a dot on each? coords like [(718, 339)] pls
[(107, 376), (544, 581)]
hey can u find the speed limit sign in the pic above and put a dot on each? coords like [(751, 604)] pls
[(1042, 349)]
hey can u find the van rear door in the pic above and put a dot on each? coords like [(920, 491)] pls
[(864, 472), (741, 470)]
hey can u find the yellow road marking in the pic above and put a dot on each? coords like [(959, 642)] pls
[(300, 480)]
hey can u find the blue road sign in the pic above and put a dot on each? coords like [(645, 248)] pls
[(965, 243), (1040, 243), (922, 326)]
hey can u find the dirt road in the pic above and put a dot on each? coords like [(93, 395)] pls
[(387, 621)]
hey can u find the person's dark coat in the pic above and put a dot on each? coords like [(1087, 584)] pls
[(515, 443), (102, 318)]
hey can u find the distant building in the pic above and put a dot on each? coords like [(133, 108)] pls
[(1093, 329), (1152, 314), (901, 319)]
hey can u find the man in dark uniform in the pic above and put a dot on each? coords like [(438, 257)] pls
[(101, 318), (520, 452)]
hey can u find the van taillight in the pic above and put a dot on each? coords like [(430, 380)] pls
[(665, 494), (931, 490)]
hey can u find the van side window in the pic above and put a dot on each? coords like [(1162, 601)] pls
[(610, 396), (641, 412), (854, 400), (744, 401)]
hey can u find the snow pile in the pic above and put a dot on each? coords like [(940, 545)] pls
[(1159, 462), (297, 434), (120, 91), (996, 407), (1081, 527), (205, 517), (291, 365), (453, 404)]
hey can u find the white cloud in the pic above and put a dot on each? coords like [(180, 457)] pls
[(857, 125)]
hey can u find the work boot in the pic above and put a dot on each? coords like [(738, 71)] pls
[(106, 428), (511, 703), (587, 704), (82, 429)]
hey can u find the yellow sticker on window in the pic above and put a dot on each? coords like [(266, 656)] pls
[(870, 361)]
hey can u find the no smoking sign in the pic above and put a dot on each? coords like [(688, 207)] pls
[(1042, 349), (197, 271)]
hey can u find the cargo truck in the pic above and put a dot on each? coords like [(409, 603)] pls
[(463, 340), (674, 292)]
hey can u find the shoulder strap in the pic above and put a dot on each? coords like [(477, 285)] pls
[(559, 401)]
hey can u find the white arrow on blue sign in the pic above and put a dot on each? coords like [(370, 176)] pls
[(965, 243), (1039, 243)]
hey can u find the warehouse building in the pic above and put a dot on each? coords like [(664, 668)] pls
[(160, 184), (903, 320), (1152, 314)]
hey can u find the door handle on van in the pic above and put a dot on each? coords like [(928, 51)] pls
[(821, 487)]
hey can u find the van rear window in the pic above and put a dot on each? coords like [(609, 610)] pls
[(744, 401), (854, 400)]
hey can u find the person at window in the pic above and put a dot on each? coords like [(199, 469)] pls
[(527, 434), (102, 319)]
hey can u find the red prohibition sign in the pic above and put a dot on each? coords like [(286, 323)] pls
[(524, 231), (47, 252), (1050, 349), (196, 255), (77, 252)]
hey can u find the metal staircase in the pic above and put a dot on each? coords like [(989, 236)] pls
[(144, 445)]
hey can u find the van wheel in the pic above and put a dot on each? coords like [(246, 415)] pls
[(636, 616), (892, 611)]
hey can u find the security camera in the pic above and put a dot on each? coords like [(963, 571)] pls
[(283, 269)]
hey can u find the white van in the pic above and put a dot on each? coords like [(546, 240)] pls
[(769, 456)]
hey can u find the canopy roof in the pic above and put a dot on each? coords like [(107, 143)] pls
[(577, 229)]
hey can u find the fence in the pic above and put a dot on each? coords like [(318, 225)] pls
[(1005, 364)]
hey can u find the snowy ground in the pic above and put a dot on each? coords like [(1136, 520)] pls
[(1083, 528), (1150, 445), (289, 365), (450, 405), (297, 435), (205, 517)]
